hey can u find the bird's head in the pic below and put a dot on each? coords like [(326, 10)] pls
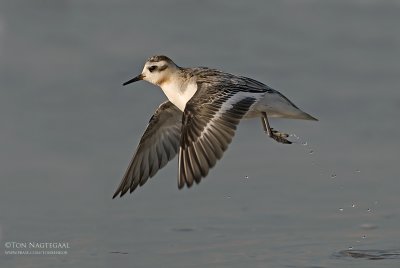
[(157, 70)]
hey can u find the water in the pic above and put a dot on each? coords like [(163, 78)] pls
[(370, 254), (69, 129)]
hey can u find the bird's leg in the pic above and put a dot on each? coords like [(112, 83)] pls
[(276, 135)]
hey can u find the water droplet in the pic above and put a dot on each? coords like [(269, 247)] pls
[(364, 236), (333, 176), (304, 143), (369, 210), (353, 206), (350, 248), (358, 171), (341, 209), (246, 177), (228, 196), (311, 152), (294, 136)]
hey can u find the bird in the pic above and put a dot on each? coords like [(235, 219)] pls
[(199, 119)]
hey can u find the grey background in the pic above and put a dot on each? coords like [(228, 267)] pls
[(68, 130)]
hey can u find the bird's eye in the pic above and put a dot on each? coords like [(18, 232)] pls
[(152, 68)]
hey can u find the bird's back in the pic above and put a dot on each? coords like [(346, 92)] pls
[(217, 80)]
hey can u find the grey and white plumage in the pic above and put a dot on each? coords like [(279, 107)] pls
[(158, 145), (199, 120)]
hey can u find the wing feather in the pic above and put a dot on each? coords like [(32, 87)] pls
[(158, 145), (209, 123)]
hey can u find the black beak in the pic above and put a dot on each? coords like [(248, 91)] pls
[(137, 78)]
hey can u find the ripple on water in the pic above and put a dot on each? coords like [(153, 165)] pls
[(183, 229), (370, 254), (118, 252)]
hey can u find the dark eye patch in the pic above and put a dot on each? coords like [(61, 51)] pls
[(152, 68)]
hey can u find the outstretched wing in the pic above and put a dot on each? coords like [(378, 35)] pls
[(209, 123), (158, 145)]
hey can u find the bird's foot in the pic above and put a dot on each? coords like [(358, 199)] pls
[(279, 136)]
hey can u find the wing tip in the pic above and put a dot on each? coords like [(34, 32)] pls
[(181, 182), (118, 192), (121, 192)]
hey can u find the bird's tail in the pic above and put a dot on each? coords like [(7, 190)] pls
[(275, 104)]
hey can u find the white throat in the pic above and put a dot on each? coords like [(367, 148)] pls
[(179, 91)]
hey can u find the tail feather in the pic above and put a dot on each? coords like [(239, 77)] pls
[(306, 116), (275, 104)]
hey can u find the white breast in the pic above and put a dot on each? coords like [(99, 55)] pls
[(179, 93)]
